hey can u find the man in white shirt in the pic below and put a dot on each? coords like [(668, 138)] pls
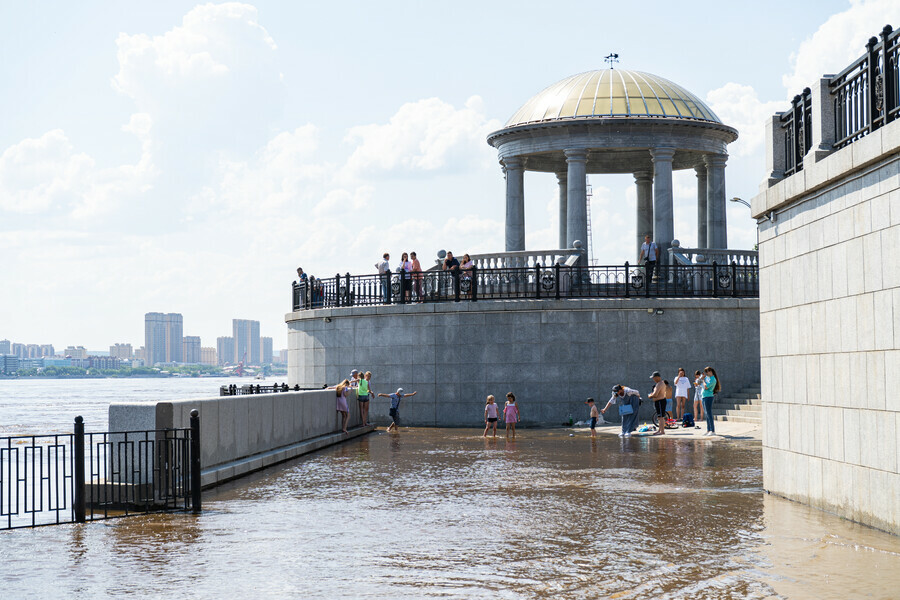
[(649, 254), (384, 269)]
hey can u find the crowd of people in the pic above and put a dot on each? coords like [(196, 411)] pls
[(361, 382), (669, 401), (411, 278)]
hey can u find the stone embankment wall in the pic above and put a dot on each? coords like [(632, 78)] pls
[(552, 354), (830, 331), (241, 434)]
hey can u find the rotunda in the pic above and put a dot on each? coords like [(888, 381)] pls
[(617, 121)]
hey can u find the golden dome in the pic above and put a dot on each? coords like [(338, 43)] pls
[(612, 93)]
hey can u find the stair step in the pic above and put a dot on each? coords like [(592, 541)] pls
[(750, 408), (729, 400), (718, 412), (739, 419)]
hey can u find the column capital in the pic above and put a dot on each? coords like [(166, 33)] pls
[(562, 176), (700, 169), (715, 160), (576, 155), (512, 162), (662, 154), (643, 176)]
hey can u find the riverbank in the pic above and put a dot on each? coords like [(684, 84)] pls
[(725, 430)]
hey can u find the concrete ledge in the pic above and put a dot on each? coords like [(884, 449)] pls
[(219, 474)]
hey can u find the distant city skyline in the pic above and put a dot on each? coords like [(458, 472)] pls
[(190, 156)]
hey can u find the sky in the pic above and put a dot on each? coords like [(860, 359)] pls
[(177, 157)]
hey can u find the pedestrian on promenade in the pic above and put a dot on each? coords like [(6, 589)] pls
[(682, 385), (384, 270), (450, 263), (342, 390), (418, 278), (711, 387), (595, 415), (354, 378), (362, 398), (465, 272), (658, 395), (670, 400), (649, 255), (405, 270), (395, 407), (301, 276), (629, 403), (511, 414), (698, 395), (491, 414)]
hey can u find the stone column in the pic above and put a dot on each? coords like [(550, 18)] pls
[(562, 178), (775, 158), (644, 183), (716, 227), (515, 203), (576, 201), (822, 122), (663, 209), (701, 206)]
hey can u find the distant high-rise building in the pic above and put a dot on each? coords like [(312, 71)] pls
[(9, 364), (32, 351), (282, 357), (76, 352), (246, 341), (140, 354), (208, 356), (18, 350), (47, 350), (163, 338), (5, 347), (265, 350), (191, 349), (225, 350), (122, 351)]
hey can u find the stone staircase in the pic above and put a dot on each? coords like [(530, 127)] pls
[(744, 406)]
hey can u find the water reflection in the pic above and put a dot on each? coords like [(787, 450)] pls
[(447, 513)]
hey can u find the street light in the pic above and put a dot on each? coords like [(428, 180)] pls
[(742, 201)]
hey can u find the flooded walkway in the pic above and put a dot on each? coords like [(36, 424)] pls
[(436, 513)]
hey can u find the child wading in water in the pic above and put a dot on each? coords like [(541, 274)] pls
[(491, 414), (511, 414), (595, 415), (395, 407)]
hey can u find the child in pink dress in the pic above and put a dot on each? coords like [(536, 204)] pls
[(511, 415)]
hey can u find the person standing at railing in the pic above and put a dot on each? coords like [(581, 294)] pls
[(649, 256), (405, 270), (451, 266), (417, 277), (465, 272), (362, 397), (342, 407), (384, 270), (301, 276)]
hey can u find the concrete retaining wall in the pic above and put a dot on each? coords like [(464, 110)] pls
[(830, 325), (551, 353), (240, 434)]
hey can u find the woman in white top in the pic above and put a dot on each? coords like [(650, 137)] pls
[(682, 385)]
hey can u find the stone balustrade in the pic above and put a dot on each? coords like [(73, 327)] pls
[(516, 259)]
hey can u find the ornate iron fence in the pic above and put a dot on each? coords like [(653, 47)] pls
[(865, 94), (797, 131), (537, 282), (77, 477)]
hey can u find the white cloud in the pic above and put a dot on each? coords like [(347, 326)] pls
[(740, 107), (838, 42), (424, 136)]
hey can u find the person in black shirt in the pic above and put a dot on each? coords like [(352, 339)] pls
[(450, 263)]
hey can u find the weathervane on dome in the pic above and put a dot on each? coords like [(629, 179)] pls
[(611, 59)]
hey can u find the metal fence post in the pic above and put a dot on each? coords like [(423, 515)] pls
[(871, 96), (337, 289), (195, 461), (537, 280), (455, 274), (78, 504), (558, 282), (734, 278), (887, 76), (715, 280), (349, 295), (474, 283), (627, 275)]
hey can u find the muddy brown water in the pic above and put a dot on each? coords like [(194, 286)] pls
[(443, 513)]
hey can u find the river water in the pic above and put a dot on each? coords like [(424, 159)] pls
[(443, 513)]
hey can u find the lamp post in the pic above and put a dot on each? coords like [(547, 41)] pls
[(741, 200), (747, 204)]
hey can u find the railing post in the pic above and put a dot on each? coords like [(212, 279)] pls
[(537, 280), (78, 503), (871, 96), (455, 274), (474, 289), (733, 278), (627, 277), (887, 76), (556, 278), (195, 461), (715, 280), (337, 289), (347, 287)]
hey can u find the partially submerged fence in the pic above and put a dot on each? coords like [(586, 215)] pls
[(555, 282), (77, 477)]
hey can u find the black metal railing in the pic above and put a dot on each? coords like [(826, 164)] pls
[(797, 131), (866, 93), (242, 390), (78, 477), (538, 282)]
